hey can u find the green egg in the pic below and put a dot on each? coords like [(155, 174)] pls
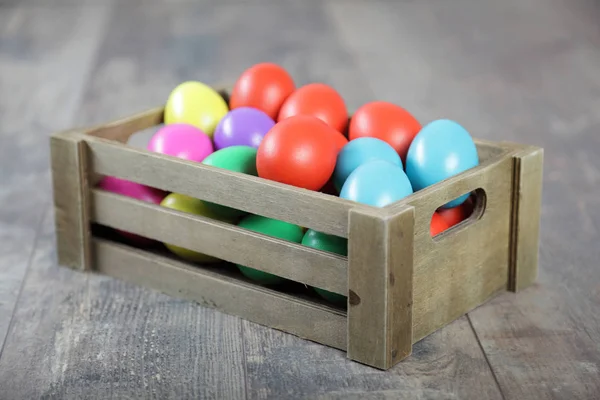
[(271, 227), (332, 244), (234, 158)]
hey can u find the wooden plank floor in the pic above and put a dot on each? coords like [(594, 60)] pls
[(521, 70)]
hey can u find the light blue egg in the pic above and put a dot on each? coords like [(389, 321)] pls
[(358, 152), (377, 183), (442, 149)]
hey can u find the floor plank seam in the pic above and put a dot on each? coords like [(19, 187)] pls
[(487, 360), (244, 360), (38, 231)]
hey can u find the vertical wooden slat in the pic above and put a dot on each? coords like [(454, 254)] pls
[(71, 203), (380, 257), (525, 229)]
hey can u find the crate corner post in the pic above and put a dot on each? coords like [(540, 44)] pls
[(380, 286), (526, 213), (69, 166)]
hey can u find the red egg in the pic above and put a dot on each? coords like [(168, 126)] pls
[(457, 214), (339, 139), (319, 100), (385, 121), (299, 151), (264, 86), (438, 224)]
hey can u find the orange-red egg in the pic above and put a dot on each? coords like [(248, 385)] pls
[(319, 100), (298, 151), (457, 214), (438, 224), (386, 121), (264, 86)]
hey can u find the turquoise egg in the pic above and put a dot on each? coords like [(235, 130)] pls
[(358, 152), (377, 183), (442, 149)]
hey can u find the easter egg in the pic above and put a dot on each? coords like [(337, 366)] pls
[(136, 191), (181, 140), (339, 140), (386, 121), (298, 151), (181, 202), (360, 151), (244, 126), (456, 215), (196, 104), (332, 244), (263, 86), (376, 183), (440, 150), (319, 100), (438, 224), (274, 228), (235, 158)]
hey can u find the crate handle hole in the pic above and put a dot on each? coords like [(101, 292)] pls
[(470, 211)]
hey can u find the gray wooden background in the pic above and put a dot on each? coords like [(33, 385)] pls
[(521, 70)]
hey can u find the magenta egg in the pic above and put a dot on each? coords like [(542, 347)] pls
[(243, 126), (136, 191), (183, 141)]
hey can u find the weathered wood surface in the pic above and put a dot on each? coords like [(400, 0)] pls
[(380, 286), (37, 98), (518, 70), (224, 241)]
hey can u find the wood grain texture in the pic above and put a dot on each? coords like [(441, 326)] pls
[(527, 198), (464, 266), (70, 185), (446, 365), (80, 335), (380, 286), (319, 211), (287, 313), (36, 98), (224, 241)]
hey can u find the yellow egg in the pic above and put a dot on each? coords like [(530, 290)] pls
[(193, 206), (196, 104)]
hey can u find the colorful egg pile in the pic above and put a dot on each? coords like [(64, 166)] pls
[(304, 137)]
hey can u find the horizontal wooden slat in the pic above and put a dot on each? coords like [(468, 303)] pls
[(225, 241), (121, 129), (319, 211), (300, 317)]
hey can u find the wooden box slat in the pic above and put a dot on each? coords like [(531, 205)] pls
[(222, 240), (319, 211), (301, 317)]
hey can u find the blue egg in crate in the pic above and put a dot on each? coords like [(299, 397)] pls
[(377, 183), (441, 149), (360, 151)]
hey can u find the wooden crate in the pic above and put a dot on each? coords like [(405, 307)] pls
[(401, 283)]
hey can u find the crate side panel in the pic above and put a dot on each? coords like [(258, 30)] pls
[(462, 267), (283, 312), (319, 211), (222, 240)]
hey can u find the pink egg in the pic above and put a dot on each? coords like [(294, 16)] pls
[(183, 141), (136, 191)]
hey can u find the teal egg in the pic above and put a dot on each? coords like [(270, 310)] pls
[(377, 183), (360, 151), (440, 150)]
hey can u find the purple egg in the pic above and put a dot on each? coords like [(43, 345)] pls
[(244, 126)]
